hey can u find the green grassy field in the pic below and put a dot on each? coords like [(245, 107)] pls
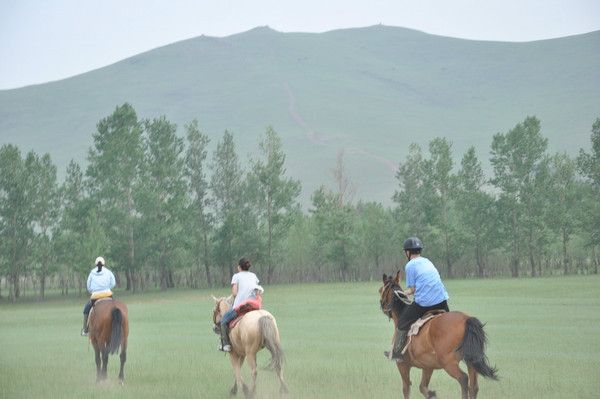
[(544, 337)]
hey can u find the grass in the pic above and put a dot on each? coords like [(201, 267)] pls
[(544, 336)]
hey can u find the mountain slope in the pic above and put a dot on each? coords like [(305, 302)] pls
[(370, 91)]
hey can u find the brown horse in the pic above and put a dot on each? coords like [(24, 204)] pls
[(255, 330), (440, 344), (109, 328)]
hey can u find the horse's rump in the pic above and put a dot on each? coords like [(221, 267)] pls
[(108, 324)]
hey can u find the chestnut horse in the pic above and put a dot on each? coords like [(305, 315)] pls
[(255, 330), (108, 329), (440, 344)]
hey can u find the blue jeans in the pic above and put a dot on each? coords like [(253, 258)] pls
[(227, 317)]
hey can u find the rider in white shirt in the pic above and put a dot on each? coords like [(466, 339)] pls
[(244, 286)]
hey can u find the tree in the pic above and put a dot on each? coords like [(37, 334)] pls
[(589, 166), (80, 236), (227, 188), (439, 178), (276, 195), (475, 207), (163, 197), (16, 231), (377, 231), (113, 171), (516, 158), (195, 170), (412, 209), (335, 221), (565, 193), (45, 203)]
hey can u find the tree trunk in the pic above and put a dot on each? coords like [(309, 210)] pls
[(480, 271), (530, 250), (207, 260), (269, 242), (565, 240), (43, 283), (515, 250), (131, 255)]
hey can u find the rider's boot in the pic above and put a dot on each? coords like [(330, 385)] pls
[(225, 344), (84, 330), (396, 353)]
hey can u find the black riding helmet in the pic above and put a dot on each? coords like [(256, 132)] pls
[(412, 244)]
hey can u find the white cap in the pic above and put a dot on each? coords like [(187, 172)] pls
[(100, 260)]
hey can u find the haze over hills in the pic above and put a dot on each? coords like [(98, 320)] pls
[(369, 91)]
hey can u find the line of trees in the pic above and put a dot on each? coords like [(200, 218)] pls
[(166, 214)]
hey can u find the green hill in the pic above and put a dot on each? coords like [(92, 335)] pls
[(370, 91)]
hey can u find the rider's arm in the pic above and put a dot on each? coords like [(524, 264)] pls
[(409, 291), (89, 283), (234, 289)]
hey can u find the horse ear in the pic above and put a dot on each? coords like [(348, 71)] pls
[(397, 278), (214, 298), (384, 277)]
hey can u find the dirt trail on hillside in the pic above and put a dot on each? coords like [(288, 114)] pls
[(322, 139)]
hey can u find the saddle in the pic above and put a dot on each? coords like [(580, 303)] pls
[(245, 307), (416, 326)]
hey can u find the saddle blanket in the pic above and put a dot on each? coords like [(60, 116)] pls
[(416, 326), (245, 307), (101, 294)]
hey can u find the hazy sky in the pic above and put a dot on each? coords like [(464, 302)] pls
[(44, 40)]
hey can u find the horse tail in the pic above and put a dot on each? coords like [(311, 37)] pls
[(270, 336), (117, 330), (473, 349)]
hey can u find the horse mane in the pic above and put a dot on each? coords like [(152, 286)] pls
[(397, 304)]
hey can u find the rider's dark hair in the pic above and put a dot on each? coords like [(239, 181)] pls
[(244, 263), (99, 265)]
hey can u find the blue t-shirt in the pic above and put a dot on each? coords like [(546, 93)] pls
[(424, 277)]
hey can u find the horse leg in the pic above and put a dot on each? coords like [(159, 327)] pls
[(123, 357), (424, 386), (98, 374), (236, 363), (252, 363), (473, 385), (404, 370), (454, 371), (104, 363)]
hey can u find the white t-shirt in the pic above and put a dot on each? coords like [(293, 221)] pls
[(247, 282)]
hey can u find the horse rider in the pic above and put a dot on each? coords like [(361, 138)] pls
[(99, 284), (424, 282), (244, 287)]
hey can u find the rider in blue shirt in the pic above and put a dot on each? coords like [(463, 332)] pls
[(99, 282), (424, 281)]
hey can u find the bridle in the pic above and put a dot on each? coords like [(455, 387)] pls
[(398, 295)]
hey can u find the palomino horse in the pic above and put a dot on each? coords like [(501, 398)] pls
[(108, 330), (255, 330), (440, 344)]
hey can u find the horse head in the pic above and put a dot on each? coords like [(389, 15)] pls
[(222, 305), (392, 295)]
